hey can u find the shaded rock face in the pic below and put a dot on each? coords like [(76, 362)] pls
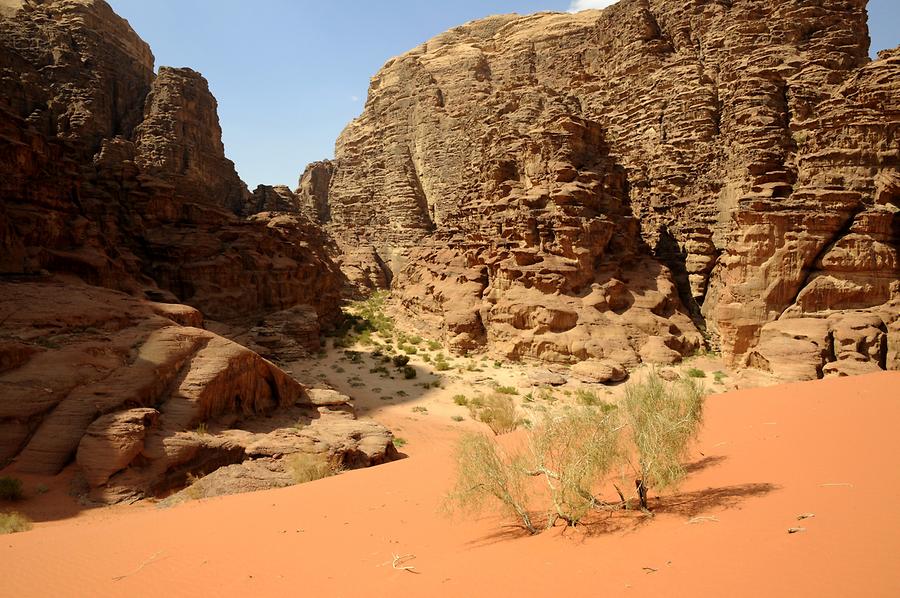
[(180, 142), (572, 186), (119, 177), (140, 401), (268, 198)]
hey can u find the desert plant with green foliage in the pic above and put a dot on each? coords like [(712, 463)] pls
[(409, 372), (507, 390), (486, 475), (11, 523), (719, 377), (306, 467), (589, 398), (420, 409), (11, 489), (461, 400), (575, 452), (696, 373), (400, 360), (399, 442), (457, 418), (498, 411), (572, 452), (662, 421), (433, 345)]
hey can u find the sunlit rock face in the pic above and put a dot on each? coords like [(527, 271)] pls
[(612, 184)]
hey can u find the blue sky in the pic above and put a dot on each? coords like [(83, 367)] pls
[(290, 74)]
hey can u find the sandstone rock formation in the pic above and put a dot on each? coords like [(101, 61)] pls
[(613, 184), (117, 206), (140, 397), (120, 177)]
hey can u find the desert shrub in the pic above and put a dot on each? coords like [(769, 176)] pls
[(719, 376), (433, 345), (499, 413), (11, 488), (420, 409), (399, 442), (414, 340), (589, 398), (486, 476), (11, 523), (662, 421), (457, 418), (461, 400), (696, 373), (408, 349), (409, 372), (573, 452), (426, 357), (400, 360), (441, 365), (306, 467), (507, 390)]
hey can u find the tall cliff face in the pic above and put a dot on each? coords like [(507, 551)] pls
[(119, 176), (111, 176), (608, 184)]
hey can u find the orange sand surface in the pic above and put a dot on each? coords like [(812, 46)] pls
[(765, 456)]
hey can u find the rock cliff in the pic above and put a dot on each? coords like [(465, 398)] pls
[(618, 184), (117, 208)]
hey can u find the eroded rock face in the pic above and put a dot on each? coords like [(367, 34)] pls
[(119, 177), (180, 142), (140, 401), (612, 182)]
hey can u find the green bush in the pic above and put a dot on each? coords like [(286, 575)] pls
[(11, 523), (461, 400), (589, 398), (11, 489), (441, 365), (577, 451), (662, 422), (507, 390), (499, 413), (696, 373), (400, 360), (434, 345), (409, 372)]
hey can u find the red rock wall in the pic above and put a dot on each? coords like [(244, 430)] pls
[(746, 149)]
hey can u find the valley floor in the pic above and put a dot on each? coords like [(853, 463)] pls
[(765, 456)]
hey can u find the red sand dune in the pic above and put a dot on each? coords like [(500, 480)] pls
[(828, 448)]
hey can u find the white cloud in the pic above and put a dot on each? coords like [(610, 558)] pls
[(354, 98), (586, 4)]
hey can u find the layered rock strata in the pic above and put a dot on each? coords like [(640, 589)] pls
[(119, 176), (611, 184), (140, 397)]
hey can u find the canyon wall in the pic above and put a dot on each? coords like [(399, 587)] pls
[(618, 184), (123, 226)]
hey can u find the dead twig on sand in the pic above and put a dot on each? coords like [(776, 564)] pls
[(702, 519), (649, 570), (399, 563), (803, 516), (845, 484), (150, 560), (794, 530)]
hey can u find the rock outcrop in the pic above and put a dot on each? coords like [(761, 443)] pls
[(117, 208), (141, 398), (119, 176), (613, 184)]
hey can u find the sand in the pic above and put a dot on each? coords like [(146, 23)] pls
[(765, 457)]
